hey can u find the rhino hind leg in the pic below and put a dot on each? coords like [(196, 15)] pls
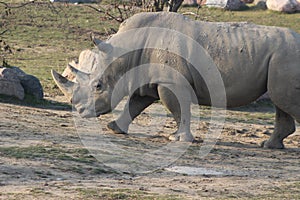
[(115, 128), (170, 100), (134, 106), (284, 126)]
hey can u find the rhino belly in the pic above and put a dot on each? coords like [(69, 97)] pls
[(241, 86), (243, 95), (235, 96)]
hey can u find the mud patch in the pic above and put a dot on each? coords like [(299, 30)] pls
[(193, 171)]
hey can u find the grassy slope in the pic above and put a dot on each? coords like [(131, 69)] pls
[(254, 15), (46, 36)]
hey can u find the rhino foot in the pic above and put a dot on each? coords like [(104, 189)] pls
[(115, 128), (272, 145), (182, 137)]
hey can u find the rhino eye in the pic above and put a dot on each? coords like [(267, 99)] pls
[(99, 86)]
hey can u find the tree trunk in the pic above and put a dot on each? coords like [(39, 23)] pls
[(174, 5)]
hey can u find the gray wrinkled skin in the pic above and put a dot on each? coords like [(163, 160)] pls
[(251, 59)]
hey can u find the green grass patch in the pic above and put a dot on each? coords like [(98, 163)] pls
[(253, 15), (79, 160), (287, 191), (112, 194), (47, 152), (45, 36), (94, 193)]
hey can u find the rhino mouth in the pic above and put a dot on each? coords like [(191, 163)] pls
[(85, 113), (103, 112)]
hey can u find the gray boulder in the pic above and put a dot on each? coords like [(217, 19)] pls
[(15, 82), (248, 1), (10, 84), (226, 4), (262, 4), (189, 2), (32, 86), (30, 83), (286, 6)]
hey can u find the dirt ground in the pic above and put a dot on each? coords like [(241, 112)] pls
[(42, 156)]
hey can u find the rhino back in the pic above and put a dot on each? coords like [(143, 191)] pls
[(241, 51)]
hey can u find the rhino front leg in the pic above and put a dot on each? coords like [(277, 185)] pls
[(179, 105), (284, 126), (134, 106)]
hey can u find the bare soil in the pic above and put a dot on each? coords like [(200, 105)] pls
[(42, 157)]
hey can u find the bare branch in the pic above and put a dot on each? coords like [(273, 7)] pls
[(3, 32), (5, 4), (102, 10), (191, 13), (120, 11)]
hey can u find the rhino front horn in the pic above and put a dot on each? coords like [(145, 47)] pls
[(63, 84), (101, 45)]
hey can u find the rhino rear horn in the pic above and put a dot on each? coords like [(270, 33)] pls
[(80, 75), (63, 84), (101, 45)]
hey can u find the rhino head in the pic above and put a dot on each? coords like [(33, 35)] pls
[(90, 94)]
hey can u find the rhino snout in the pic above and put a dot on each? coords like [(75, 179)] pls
[(84, 112)]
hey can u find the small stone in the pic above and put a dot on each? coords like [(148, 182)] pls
[(142, 189), (267, 132), (63, 125)]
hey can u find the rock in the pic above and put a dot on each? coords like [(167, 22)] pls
[(226, 4), (260, 4), (247, 1), (265, 96), (298, 5), (30, 84), (257, 1), (10, 84), (189, 3), (286, 6)]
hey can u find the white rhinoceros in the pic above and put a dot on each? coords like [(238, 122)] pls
[(250, 59)]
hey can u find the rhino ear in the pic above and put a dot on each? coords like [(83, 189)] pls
[(80, 76), (102, 46)]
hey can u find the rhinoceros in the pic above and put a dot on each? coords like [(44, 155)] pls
[(251, 60)]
